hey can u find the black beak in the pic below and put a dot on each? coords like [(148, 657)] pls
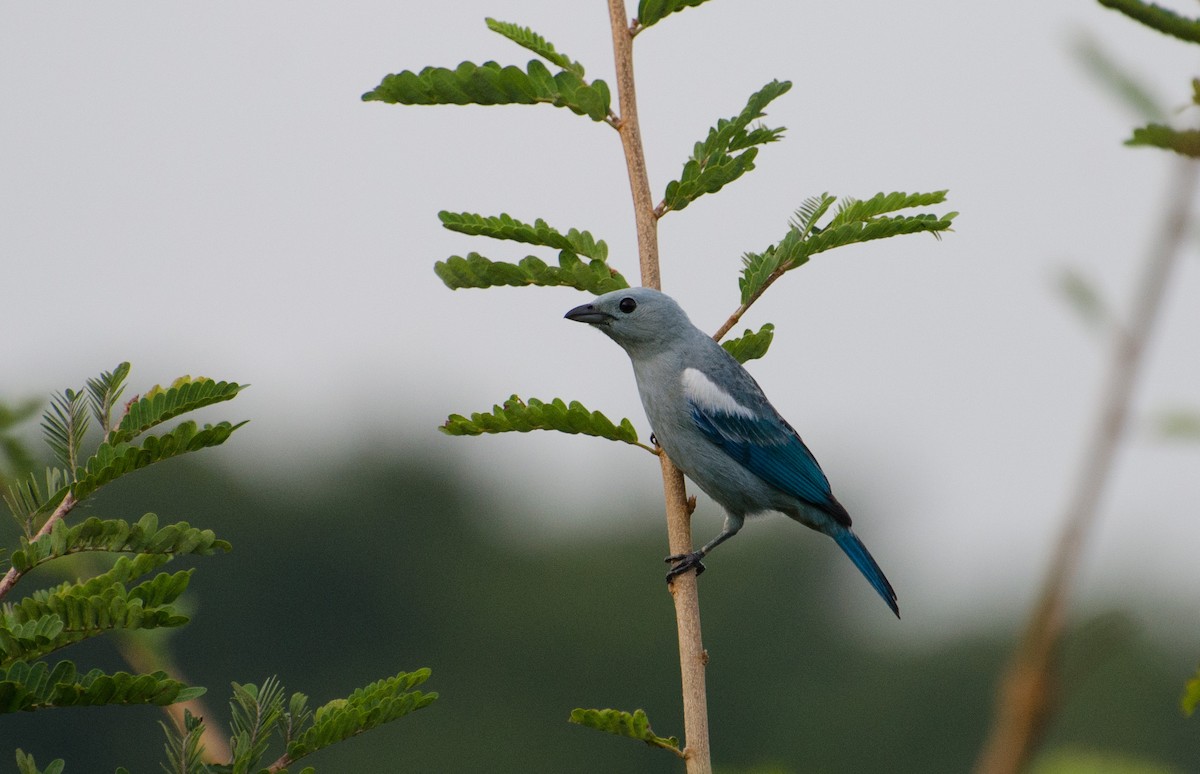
[(588, 313)]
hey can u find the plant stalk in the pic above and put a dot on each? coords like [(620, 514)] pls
[(1026, 696), (684, 591)]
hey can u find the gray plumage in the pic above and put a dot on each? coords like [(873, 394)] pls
[(714, 422)]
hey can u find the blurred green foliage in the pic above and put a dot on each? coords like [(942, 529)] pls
[(392, 561)]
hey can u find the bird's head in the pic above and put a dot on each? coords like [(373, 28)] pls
[(639, 319)]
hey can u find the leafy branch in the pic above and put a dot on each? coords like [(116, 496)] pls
[(516, 415), (619, 723)]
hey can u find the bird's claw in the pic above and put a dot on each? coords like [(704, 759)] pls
[(683, 563)]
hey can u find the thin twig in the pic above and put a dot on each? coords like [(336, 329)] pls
[(692, 656), (13, 575), (1025, 698)]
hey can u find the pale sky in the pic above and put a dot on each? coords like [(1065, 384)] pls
[(197, 188)]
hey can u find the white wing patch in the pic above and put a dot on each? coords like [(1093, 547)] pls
[(702, 391)]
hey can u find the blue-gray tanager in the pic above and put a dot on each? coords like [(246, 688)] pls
[(718, 427)]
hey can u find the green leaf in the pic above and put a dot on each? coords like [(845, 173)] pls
[(112, 461), (1185, 142), (523, 36), (366, 708), (104, 391), (751, 345), (185, 746), (26, 765), (855, 221), (159, 405), (1156, 17), (255, 714), (71, 612), (1191, 695), (491, 84), (1179, 424), (35, 686), (1083, 296), (540, 233), (518, 416), (27, 500), (118, 536), (476, 271), (635, 726), (64, 425), (716, 161), (652, 11), (1116, 78)]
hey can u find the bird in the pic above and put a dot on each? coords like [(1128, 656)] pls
[(716, 425)]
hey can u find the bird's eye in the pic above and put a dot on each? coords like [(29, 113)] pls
[(627, 305)]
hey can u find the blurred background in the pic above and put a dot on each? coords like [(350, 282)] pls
[(200, 190)]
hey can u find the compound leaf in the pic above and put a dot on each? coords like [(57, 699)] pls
[(158, 405), (751, 345), (651, 12), (1156, 17), (476, 271), (635, 726), (25, 686), (520, 416), (491, 84), (527, 38), (541, 233), (1185, 142)]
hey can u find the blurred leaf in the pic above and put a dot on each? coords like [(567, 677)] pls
[(185, 746), (1090, 762), (1156, 17), (1185, 142), (855, 221), (652, 11), (1117, 80), (523, 36), (1083, 296), (635, 726), (540, 233), (1191, 695), (476, 271), (491, 84), (715, 162), (1179, 424), (26, 765), (751, 345), (518, 416)]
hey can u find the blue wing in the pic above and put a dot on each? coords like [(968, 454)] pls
[(767, 446)]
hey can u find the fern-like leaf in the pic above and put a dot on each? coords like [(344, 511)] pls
[(255, 714), (159, 405), (1185, 142), (651, 12), (727, 153), (751, 345), (1156, 17), (185, 746), (634, 726), (520, 416), (25, 686), (364, 709), (116, 536), (64, 425), (28, 501), (103, 393), (540, 233), (491, 84), (855, 221), (527, 38), (476, 271), (112, 461)]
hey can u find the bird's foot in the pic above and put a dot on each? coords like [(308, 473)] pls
[(683, 563)]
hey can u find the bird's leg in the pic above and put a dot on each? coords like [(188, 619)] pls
[(685, 562)]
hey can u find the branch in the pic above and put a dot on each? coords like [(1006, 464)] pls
[(692, 656), (13, 575), (1025, 698)]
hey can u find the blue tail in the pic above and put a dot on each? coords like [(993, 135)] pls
[(865, 563)]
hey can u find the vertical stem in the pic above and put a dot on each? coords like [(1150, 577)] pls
[(1026, 694), (692, 657)]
